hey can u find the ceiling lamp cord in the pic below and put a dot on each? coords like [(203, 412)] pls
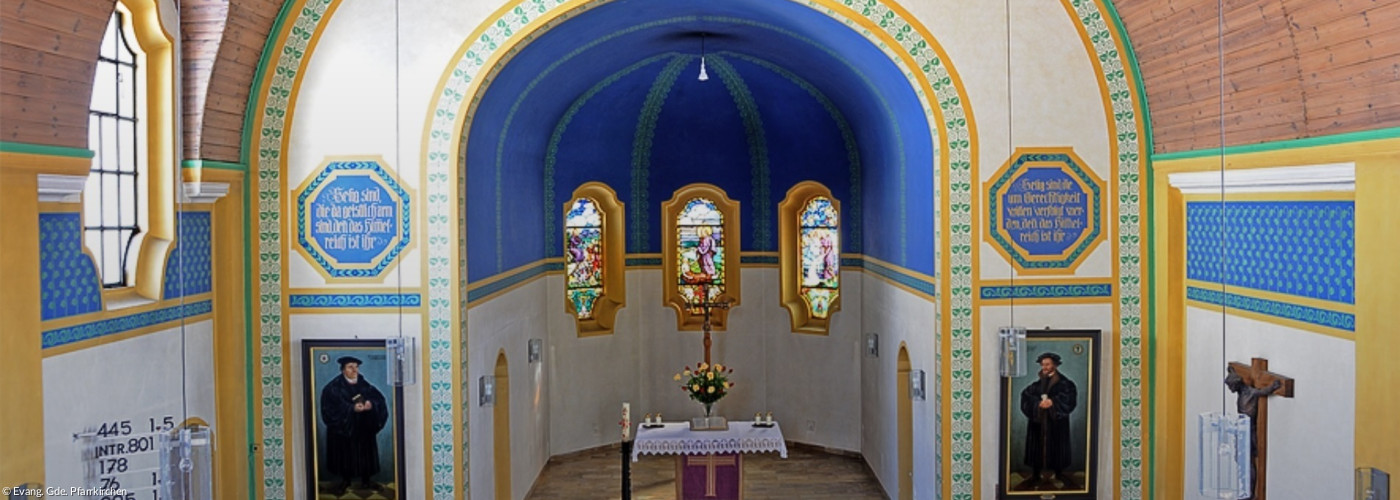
[(703, 75)]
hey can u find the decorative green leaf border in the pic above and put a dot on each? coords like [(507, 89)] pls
[(273, 107), (472, 66), (1121, 77), (951, 101)]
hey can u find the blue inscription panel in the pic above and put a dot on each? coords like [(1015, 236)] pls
[(1046, 210), (353, 219)]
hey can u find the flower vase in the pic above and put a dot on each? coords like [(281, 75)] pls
[(708, 406)]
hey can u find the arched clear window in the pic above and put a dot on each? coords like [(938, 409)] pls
[(701, 254), (809, 258), (595, 284), (113, 218), (129, 200)]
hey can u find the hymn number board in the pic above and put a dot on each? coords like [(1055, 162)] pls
[(124, 456)]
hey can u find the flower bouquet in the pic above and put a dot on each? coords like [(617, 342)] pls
[(706, 384)]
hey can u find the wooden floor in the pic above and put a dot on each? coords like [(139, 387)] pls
[(807, 473)]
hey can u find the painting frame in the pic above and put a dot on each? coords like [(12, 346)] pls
[(1081, 362), (320, 367)]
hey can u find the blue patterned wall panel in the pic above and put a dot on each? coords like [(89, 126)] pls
[(1302, 248), (192, 256), (68, 282)]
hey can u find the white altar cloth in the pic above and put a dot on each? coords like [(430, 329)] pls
[(676, 438)]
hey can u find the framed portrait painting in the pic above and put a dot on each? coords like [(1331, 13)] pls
[(354, 421), (1050, 420)]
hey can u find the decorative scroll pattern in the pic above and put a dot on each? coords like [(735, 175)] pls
[(353, 300), (113, 326), (285, 63), (1295, 312), (1130, 170)]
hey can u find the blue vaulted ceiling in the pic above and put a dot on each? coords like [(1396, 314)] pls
[(612, 95)]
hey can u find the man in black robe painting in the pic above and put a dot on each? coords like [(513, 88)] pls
[(1047, 403), (354, 412)]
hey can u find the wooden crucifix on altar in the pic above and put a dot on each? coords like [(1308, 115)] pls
[(1254, 383), (705, 306)]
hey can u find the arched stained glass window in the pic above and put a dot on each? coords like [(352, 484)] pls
[(700, 256), (583, 256), (809, 256), (821, 255), (700, 264), (594, 284)]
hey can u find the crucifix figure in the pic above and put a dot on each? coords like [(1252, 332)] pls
[(1254, 383), (710, 462), (705, 306)]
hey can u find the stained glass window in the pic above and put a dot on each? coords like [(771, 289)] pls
[(583, 256), (700, 253), (821, 255)]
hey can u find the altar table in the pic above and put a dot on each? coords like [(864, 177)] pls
[(709, 464)]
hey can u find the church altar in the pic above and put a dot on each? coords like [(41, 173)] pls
[(709, 464)]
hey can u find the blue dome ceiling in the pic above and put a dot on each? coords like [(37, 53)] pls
[(612, 95)]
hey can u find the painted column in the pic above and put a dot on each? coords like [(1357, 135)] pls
[(1377, 293), (23, 390)]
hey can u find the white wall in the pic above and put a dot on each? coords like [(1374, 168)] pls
[(1311, 436), (774, 369), (137, 379), (897, 316), (507, 323)]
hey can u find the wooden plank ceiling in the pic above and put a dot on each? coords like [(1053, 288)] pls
[(50, 47), (1292, 68)]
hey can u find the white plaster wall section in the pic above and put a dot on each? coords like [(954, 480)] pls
[(1055, 101), (1204, 379), (1037, 317), (669, 350), (135, 380), (590, 378), (973, 34), (345, 106), (353, 326), (898, 316), (814, 378), (1313, 431), (507, 322)]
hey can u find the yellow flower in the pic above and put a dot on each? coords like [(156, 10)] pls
[(695, 387), (677, 377), (711, 390), (686, 373), (703, 366), (709, 375), (719, 367)]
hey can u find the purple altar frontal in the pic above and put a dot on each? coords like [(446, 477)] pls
[(710, 477)]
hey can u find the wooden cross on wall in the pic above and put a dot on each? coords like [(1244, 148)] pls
[(1258, 385), (705, 307)]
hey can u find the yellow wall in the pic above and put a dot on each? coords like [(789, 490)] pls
[(22, 390), (1377, 294), (1377, 198)]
